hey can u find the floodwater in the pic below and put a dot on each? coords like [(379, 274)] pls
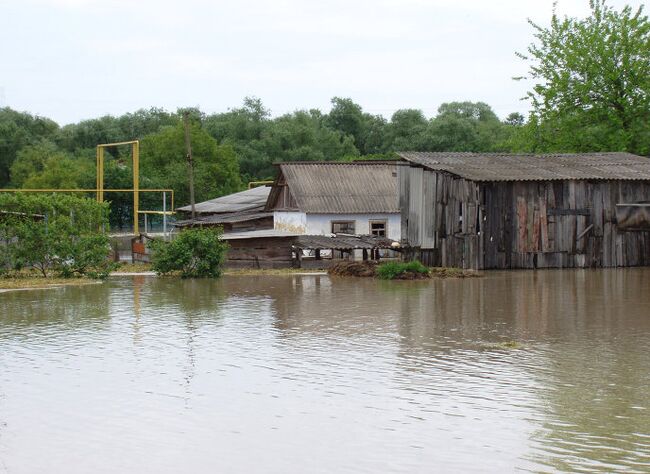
[(311, 374)]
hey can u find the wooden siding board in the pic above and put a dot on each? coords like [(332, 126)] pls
[(524, 224)]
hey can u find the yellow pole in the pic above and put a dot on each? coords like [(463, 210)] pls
[(136, 186), (100, 186), (97, 173)]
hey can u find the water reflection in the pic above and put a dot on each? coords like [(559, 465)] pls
[(331, 374)]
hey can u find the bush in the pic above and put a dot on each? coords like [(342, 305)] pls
[(402, 270), (54, 233), (86, 255), (195, 253)]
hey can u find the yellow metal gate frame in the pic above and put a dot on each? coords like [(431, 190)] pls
[(100, 190)]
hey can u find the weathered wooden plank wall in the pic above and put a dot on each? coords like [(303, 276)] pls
[(527, 224), (260, 253), (440, 217)]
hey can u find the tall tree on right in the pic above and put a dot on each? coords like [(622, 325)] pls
[(592, 82)]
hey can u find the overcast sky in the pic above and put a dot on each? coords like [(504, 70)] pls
[(77, 59)]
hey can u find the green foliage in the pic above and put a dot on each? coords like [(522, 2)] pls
[(17, 130), (163, 162), (592, 82), (393, 270), (54, 233), (259, 141), (85, 255), (87, 134), (459, 126), (194, 253), (407, 130), (44, 166)]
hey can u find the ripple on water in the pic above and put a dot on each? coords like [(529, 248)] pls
[(290, 374)]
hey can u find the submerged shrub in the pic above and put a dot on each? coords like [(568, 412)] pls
[(194, 253), (401, 270)]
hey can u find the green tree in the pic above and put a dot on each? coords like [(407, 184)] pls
[(591, 81), (515, 119), (18, 130), (243, 129), (347, 117), (163, 162), (45, 166), (407, 131), (466, 126), (55, 233)]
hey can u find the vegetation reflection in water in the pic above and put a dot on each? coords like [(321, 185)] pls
[(531, 370)]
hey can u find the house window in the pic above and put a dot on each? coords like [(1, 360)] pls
[(378, 228), (343, 227)]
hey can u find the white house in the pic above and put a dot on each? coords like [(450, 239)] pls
[(318, 198)]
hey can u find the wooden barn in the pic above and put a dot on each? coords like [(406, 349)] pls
[(491, 211)]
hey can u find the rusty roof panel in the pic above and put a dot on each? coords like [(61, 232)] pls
[(527, 167)]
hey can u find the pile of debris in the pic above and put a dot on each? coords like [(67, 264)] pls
[(366, 268)]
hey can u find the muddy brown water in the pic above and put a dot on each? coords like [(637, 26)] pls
[(296, 374)]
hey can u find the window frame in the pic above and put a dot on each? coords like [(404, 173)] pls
[(378, 221), (354, 226)]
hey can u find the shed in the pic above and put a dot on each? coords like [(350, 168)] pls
[(494, 210), (236, 212), (244, 201), (232, 222)]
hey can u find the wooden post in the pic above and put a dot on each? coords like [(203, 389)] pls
[(190, 163)]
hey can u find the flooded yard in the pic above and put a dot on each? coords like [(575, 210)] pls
[(538, 371)]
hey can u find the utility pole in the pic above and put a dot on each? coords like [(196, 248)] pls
[(190, 162)]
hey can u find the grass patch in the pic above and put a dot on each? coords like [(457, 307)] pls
[(402, 271), (125, 267), (28, 279)]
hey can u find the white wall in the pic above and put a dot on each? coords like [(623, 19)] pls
[(319, 224)]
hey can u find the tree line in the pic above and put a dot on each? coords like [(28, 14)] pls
[(590, 92)]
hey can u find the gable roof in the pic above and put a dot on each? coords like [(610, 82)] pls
[(237, 202), (340, 187), (528, 167)]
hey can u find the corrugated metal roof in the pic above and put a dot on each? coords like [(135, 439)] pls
[(228, 218), (241, 201), (528, 167), (342, 188)]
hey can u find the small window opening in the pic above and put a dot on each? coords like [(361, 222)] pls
[(378, 228)]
